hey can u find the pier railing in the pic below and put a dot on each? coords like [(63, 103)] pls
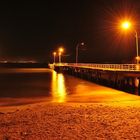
[(110, 67)]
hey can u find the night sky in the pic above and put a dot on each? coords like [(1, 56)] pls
[(32, 30)]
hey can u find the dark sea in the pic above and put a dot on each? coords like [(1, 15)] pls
[(30, 85)]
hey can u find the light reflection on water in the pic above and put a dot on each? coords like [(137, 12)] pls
[(58, 87)]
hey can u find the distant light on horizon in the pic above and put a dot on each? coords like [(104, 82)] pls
[(19, 61)]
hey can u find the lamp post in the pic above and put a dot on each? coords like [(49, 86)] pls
[(137, 47), (54, 55), (60, 51), (126, 25), (59, 54), (77, 47)]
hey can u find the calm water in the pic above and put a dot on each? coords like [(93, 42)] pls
[(23, 86)]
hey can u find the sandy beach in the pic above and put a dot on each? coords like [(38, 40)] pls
[(58, 121)]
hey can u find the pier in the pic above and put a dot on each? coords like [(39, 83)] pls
[(120, 76)]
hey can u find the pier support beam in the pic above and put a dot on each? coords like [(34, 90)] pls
[(136, 82)]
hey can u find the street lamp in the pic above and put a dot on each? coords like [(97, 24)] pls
[(77, 47), (60, 51), (54, 55), (137, 47), (127, 25)]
